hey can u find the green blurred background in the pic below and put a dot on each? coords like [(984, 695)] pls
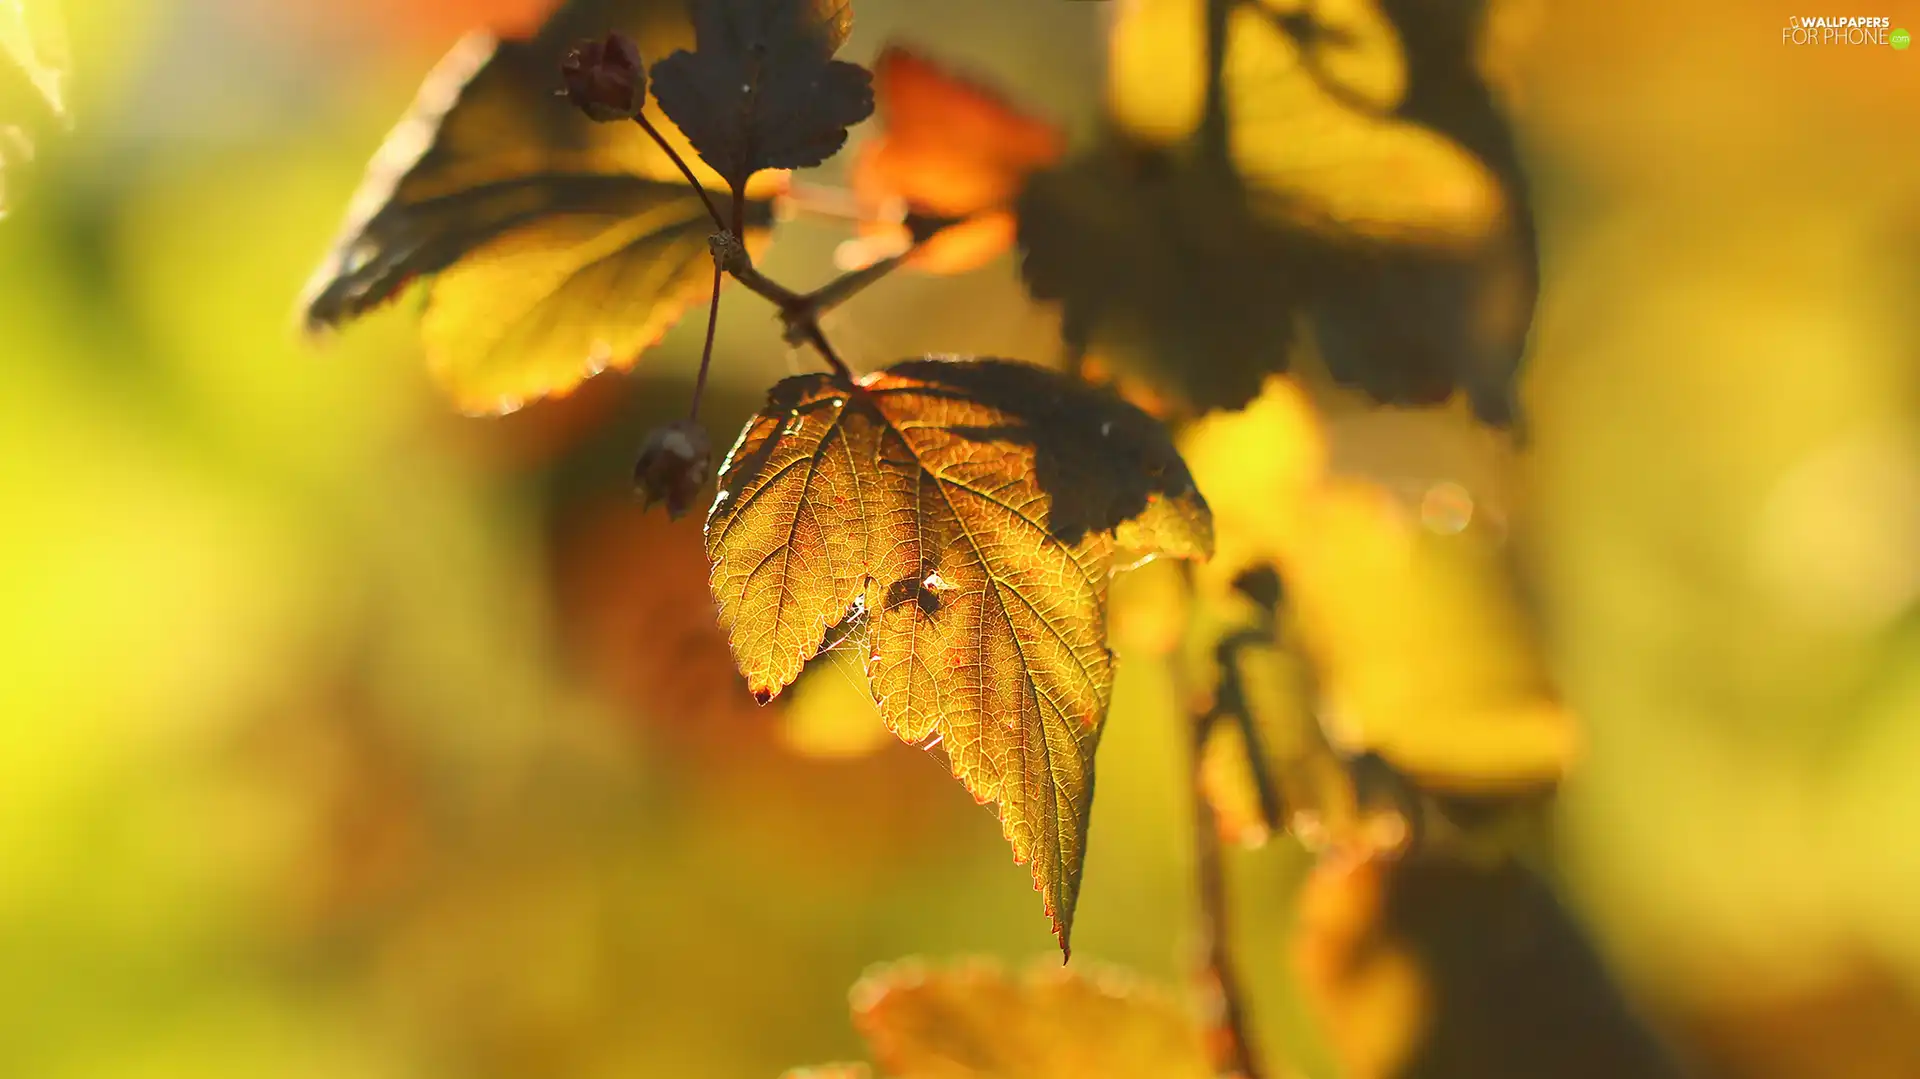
[(343, 736)]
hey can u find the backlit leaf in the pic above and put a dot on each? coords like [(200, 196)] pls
[(761, 89), (1357, 163), (963, 517), (975, 1021), (557, 247)]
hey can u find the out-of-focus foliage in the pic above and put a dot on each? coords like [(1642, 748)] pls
[(951, 151), (325, 751), (1434, 967), (977, 1021), (1346, 163), (1391, 629), (33, 83)]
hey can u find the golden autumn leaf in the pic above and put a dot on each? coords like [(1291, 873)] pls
[(556, 247), (962, 519), (975, 1021)]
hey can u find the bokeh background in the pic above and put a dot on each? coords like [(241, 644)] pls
[(344, 736)]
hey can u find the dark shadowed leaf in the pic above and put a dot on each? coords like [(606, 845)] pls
[(1363, 146), (975, 1021), (1434, 968), (761, 89), (965, 516), (555, 247), (1157, 263)]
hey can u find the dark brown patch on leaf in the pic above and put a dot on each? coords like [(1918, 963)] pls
[(915, 591)]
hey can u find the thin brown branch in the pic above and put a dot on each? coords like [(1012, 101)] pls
[(1212, 134), (813, 335), (800, 312), (1231, 1041), (679, 162), (739, 225), (1233, 1048), (706, 350), (847, 285)]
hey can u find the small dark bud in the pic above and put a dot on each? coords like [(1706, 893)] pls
[(729, 253), (675, 465), (606, 79)]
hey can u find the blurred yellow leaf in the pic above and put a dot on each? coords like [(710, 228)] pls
[(1424, 654), (1355, 160), (1310, 96), (1259, 467), (974, 1021)]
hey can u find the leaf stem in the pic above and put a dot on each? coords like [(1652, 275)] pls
[(1231, 1044), (673, 155), (739, 225), (847, 285), (1212, 135), (1234, 1050), (706, 350), (818, 340)]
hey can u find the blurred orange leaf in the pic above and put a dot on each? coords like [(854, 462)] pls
[(633, 602), (949, 148), (963, 519), (974, 1021)]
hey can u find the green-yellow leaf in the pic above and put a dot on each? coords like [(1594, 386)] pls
[(961, 519), (557, 247)]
